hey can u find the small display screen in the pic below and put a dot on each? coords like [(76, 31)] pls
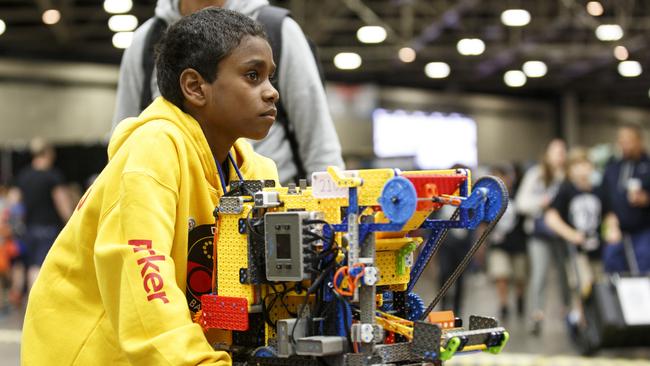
[(283, 242)]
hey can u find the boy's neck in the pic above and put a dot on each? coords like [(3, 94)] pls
[(219, 145), (219, 142)]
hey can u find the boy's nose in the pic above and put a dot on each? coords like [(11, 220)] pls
[(271, 94)]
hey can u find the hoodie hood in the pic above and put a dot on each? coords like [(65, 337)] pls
[(246, 7), (162, 110), (169, 10)]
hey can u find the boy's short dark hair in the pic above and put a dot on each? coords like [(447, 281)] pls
[(199, 41)]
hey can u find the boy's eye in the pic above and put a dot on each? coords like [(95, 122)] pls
[(273, 78), (253, 76)]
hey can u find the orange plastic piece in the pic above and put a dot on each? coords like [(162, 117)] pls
[(445, 319)]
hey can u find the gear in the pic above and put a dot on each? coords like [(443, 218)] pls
[(414, 306)]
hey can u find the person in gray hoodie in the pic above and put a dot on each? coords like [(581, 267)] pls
[(301, 88)]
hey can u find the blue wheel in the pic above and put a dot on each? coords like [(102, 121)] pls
[(398, 199), (414, 306), (268, 352), (497, 197)]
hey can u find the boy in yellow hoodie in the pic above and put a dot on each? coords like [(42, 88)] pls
[(118, 285)]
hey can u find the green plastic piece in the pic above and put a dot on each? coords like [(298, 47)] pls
[(404, 251), (495, 350), (452, 346)]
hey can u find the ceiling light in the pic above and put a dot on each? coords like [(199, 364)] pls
[(470, 46), (515, 17), (117, 6), (122, 39), (514, 78), (406, 54), (437, 70), (51, 16), (534, 69), (3, 26), (371, 34), (595, 8), (122, 23), (609, 32), (621, 54), (347, 61), (629, 69)]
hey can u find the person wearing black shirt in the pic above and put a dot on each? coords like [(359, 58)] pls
[(626, 200), (47, 205), (575, 215)]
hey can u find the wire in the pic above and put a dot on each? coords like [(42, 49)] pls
[(347, 324), (352, 280), (250, 227)]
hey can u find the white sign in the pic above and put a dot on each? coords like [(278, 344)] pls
[(634, 295), (323, 186)]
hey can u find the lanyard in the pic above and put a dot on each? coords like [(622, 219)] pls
[(222, 178)]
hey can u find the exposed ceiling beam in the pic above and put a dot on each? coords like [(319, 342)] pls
[(450, 17)]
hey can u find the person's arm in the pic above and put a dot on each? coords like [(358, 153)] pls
[(554, 221), (612, 229), (14, 196), (303, 97), (62, 202), (136, 272), (528, 202), (129, 85)]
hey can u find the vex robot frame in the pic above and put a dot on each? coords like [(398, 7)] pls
[(325, 274)]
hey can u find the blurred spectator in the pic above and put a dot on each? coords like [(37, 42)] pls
[(506, 260), (16, 221), (47, 205), (575, 215), (303, 139), (8, 249), (538, 188), (626, 199)]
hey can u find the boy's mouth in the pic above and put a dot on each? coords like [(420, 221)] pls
[(270, 113)]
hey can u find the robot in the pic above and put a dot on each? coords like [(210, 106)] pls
[(324, 274)]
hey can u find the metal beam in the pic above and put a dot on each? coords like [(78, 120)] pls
[(450, 17)]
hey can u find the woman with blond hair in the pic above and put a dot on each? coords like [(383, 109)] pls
[(538, 189)]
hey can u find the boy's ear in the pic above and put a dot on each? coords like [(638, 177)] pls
[(191, 83)]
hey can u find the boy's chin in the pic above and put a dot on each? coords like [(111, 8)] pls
[(259, 135)]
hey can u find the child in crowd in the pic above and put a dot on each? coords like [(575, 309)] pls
[(575, 215), (114, 288)]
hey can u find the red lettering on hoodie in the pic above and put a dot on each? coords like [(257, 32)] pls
[(152, 281)]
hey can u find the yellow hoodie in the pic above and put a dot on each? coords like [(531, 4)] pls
[(114, 288)]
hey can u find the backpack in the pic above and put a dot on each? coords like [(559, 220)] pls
[(271, 18)]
